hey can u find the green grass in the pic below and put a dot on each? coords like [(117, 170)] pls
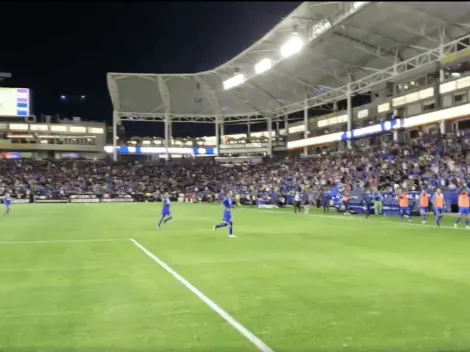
[(300, 283)]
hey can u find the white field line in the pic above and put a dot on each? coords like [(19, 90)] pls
[(66, 241), (227, 317), (362, 218)]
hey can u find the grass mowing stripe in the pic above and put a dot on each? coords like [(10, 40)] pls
[(227, 317), (66, 241), (372, 218)]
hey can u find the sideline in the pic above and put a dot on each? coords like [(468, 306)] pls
[(227, 317), (372, 219)]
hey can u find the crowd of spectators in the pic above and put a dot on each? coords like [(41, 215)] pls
[(427, 162)]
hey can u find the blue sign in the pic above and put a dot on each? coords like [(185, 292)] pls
[(380, 128)]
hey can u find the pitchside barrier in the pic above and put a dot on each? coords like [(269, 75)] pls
[(102, 198), (389, 203)]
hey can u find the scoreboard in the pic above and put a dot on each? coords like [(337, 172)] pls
[(14, 102)]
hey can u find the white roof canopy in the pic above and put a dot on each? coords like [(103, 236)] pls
[(344, 42)]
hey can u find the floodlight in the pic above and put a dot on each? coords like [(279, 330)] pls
[(292, 46), (263, 66), (234, 81), (358, 4)]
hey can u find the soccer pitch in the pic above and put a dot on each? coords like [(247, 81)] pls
[(71, 280)]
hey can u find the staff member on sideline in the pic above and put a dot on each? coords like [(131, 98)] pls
[(464, 208), (424, 205), (346, 204), (297, 202), (404, 206), (378, 207), (439, 205)]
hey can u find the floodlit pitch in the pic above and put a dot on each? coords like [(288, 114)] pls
[(72, 280)]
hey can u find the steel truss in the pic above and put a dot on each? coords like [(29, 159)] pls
[(399, 68), (416, 63), (149, 117), (314, 32)]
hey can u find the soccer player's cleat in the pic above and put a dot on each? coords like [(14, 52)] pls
[(455, 225), (467, 227), (232, 236), (424, 222), (213, 228)]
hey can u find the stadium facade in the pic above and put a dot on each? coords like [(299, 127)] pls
[(330, 75)]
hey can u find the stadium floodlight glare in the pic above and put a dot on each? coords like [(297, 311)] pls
[(292, 46), (358, 4), (236, 80), (263, 66)]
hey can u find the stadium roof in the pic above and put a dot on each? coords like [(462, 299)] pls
[(366, 43)]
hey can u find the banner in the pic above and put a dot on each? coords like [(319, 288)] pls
[(84, 200), (19, 201), (266, 206), (51, 201), (117, 200), (456, 57)]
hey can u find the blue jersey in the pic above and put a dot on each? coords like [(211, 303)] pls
[(227, 215), (227, 203), (366, 201), (7, 201), (166, 206)]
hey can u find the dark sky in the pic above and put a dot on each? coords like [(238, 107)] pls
[(67, 48)]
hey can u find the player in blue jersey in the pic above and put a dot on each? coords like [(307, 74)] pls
[(166, 212), (227, 215), (325, 202), (7, 201), (366, 201)]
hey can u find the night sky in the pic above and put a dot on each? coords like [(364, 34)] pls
[(67, 48)]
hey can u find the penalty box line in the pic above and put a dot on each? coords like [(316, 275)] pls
[(227, 317)]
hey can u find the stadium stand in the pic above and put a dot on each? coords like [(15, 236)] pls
[(430, 161), (359, 95)]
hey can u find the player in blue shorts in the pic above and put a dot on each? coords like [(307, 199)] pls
[(404, 205), (464, 207), (166, 212), (439, 206), (424, 205), (227, 215), (366, 203), (7, 201)]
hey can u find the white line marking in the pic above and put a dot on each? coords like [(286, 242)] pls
[(364, 219), (227, 317), (66, 241)]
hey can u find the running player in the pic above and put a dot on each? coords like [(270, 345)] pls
[(166, 214), (227, 215), (7, 201)]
